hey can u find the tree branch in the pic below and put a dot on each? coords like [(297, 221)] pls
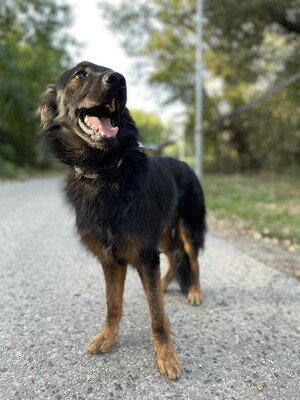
[(159, 147), (252, 104)]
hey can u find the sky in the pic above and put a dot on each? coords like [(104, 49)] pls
[(101, 46)]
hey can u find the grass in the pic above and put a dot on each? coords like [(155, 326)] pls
[(269, 204)]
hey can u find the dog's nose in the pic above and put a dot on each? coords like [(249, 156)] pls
[(114, 79)]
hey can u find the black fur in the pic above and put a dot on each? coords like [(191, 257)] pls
[(133, 195)]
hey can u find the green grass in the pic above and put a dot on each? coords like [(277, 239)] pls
[(268, 203)]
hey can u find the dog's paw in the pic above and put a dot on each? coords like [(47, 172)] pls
[(168, 363), (195, 296), (102, 343)]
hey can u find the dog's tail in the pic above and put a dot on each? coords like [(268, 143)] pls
[(180, 260)]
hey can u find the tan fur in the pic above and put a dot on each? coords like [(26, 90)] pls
[(166, 357), (115, 273), (165, 246), (195, 296)]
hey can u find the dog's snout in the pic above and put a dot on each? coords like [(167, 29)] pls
[(114, 79)]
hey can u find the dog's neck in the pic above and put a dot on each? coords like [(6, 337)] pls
[(107, 168)]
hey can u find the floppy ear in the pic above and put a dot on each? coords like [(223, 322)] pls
[(48, 107)]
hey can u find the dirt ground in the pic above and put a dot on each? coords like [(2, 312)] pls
[(282, 255)]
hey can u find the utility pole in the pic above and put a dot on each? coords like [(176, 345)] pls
[(199, 92)]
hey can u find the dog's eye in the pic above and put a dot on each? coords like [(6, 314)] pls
[(81, 75)]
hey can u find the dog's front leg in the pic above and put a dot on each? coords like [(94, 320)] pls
[(149, 271), (114, 277)]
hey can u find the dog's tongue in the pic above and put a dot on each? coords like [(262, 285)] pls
[(101, 125)]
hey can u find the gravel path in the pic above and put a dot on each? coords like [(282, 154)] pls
[(242, 343)]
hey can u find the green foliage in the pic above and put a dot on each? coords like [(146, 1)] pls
[(162, 33), (32, 53), (152, 130), (268, 204), (248, 46)]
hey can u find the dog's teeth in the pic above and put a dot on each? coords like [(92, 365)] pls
[(100, 131)]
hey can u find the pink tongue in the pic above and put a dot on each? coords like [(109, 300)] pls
[(107, 127), (101, 125)]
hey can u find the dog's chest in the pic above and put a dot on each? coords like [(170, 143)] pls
[(104, 208), (108, 218)]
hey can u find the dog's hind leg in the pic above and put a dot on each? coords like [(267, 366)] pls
[(165, 247), (149, 271), (194, 294), (169, 274)]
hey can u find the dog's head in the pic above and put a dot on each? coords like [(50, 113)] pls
[(87, 100)]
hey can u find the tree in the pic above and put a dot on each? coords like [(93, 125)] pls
[(32, 53), (248, 47), (152, 130)]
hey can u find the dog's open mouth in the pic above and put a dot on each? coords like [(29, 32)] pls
[(98, 128), (97, 122)]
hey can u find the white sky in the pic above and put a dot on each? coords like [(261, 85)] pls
[(100, 46)]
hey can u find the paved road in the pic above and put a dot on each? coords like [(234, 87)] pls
[(242, 343)]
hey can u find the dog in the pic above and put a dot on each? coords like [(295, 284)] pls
[(129, 206)]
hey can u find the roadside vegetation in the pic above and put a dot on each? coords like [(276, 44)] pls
[(33, 52), (267, 203)]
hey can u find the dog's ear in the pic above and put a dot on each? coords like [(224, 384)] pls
[(48, 107)]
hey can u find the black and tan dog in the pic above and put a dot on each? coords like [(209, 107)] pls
[(129, 206)]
